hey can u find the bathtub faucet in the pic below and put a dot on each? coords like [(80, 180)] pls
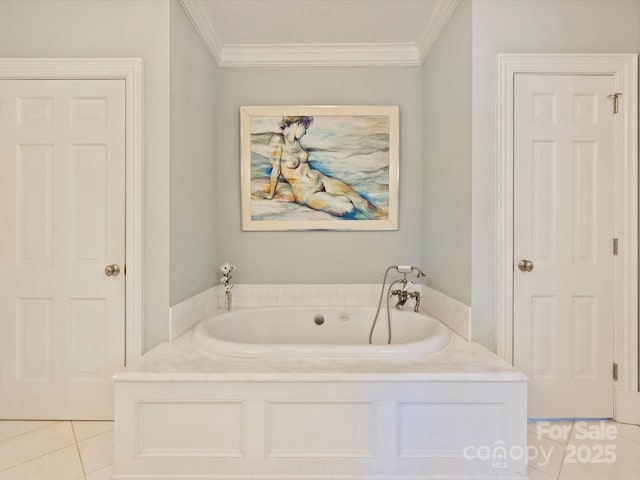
[(404, 294)]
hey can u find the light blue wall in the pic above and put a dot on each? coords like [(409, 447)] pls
[(447, 158), (195, 83), (320, 257)]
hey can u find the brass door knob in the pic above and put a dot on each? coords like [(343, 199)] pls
[(525, 265), (112, 270)]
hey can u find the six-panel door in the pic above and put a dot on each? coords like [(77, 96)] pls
[(62, 207), (563, 226)]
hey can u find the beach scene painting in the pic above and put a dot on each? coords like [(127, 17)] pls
[(319, 168)]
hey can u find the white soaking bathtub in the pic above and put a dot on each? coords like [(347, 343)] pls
[(262, 394), (319, 332)]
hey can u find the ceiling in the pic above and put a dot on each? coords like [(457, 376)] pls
[(319, 32)]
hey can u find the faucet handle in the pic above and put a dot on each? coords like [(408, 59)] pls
[(416, 306)]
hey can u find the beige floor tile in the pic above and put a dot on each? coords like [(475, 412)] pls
[(88, 429), (533, 474), (97, 452), (601, 471), (628, 454), (63, 464), (102, 474), (632, 432), (601, 442), (558, 431), (594, 430), (28, 446), (544, 455), (12, 428)]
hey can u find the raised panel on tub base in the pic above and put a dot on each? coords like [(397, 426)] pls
[(400, 430)]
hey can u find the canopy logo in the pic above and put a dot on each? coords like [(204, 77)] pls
[(574, 442)]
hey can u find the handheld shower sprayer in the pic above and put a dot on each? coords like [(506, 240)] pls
[(408, 269)]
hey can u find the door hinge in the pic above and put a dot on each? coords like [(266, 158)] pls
[(615, 101), (615, 246), (615, 372)]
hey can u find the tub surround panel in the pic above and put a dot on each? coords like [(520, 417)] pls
[(184, 315), (454, 314), (262, 296), (372, 440), (189, 429), (319, 430), (485, 419)]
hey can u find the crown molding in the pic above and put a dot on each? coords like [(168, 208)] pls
[(313, 55), (336, 54), (443, 9), (206, 27)]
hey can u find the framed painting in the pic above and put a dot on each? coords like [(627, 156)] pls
[(319, 168)]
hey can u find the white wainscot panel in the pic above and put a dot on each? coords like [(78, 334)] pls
[(190, 429), (438, 429), (314, 429)]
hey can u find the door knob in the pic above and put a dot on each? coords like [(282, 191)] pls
[(525, 265), (112, 270)]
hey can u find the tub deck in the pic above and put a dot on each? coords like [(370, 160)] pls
[(460, 360), (181, 413)]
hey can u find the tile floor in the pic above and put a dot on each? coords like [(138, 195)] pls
[(35, 450), (565, 450), (583, 450)]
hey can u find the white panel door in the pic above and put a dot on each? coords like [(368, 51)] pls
[(563, 225), (62, 206)]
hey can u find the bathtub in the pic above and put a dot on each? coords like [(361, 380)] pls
[(299, 394), (319, 332)]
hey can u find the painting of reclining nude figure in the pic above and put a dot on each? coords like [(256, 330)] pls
[(319, 168)]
